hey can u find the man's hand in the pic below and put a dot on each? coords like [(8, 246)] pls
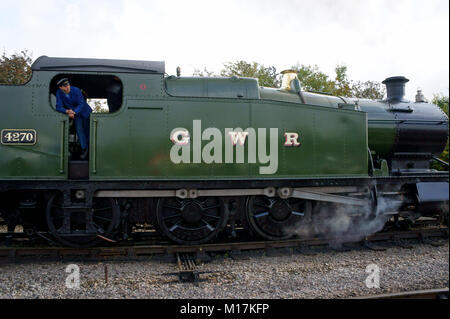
[(71, 113)]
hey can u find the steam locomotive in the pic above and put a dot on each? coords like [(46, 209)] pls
[(191, 157)]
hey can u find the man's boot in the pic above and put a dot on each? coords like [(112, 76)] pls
[(84, 155)]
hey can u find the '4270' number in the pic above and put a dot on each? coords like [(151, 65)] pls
[(18, 137)]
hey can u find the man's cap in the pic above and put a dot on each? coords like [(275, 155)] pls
[(62, 82)]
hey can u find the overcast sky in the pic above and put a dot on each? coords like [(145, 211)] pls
[(375, 39)]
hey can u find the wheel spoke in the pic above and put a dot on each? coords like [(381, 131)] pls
[(298, 213), (212, 216), (102, 218), (171, 229), (211, 207), (208, 225), (202, 202), (101, 209), (173, 207), (261, 215), (99, 228), (171, 216), (262, 205)]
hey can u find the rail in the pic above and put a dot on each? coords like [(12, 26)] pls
[(418, 294), (132, 252)]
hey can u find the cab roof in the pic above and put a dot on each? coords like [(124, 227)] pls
[(45, 63)]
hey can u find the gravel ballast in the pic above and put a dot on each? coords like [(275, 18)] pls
[(325, 273)]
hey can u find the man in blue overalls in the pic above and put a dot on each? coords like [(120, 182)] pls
[(70, 101)]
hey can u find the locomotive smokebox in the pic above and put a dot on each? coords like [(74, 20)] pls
[(395, 87)]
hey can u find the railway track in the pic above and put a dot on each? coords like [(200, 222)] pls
[(418, 294), (12, 254)]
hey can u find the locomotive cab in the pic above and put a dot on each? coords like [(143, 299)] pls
[(104, 94), (103, 85)]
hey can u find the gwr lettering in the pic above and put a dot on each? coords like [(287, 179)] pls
[(238, 136), (291, 139)]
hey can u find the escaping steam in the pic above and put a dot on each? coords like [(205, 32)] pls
[(344, 223)]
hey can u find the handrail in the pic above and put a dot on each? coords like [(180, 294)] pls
[(439, 160), (372, 166), (94, 147), (409, 121), (62, 143)]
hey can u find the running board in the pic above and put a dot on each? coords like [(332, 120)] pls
[(303, 193)]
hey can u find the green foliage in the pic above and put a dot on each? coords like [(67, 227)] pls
[(267, 76), (441, 101), (100, 105), (341, 84), (15, 69), (312, 79), (204, 73), (368, 90)]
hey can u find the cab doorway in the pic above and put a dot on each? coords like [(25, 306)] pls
[(104, 94)]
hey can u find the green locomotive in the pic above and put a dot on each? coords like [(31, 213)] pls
[(191, 156)]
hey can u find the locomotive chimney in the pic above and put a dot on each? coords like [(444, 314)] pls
[(395, 87)]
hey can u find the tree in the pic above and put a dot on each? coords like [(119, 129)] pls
[(341, 84), (15, 69), (442, 101), (204, 73), (267, 76), (368, 90), (312, 79), (100, 105)]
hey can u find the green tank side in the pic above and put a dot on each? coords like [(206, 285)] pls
[(135, 143)]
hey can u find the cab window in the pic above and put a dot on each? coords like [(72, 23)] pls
[(103, 93)]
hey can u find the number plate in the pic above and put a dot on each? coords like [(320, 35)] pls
[(18, 137)]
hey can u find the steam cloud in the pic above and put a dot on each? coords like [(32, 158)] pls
[(343, 224)]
